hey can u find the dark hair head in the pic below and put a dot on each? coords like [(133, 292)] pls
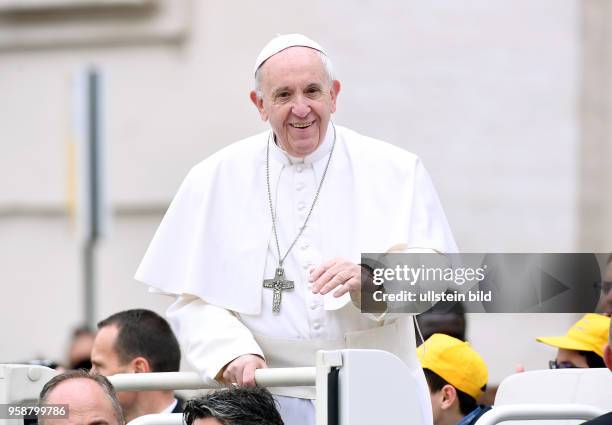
[(79, 354), (235, 406), (467, 403), (144, 333), (445, 317), (104, 383), (593, 359)]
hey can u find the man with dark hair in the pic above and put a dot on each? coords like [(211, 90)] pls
[(457, 376), (138, 341), (235, 406), (582, 345), (90, 398), (446, 317)]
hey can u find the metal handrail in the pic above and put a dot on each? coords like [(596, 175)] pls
[(275, 377), (528, 412)]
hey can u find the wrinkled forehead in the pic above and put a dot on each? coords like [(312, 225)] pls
[(86, 399)]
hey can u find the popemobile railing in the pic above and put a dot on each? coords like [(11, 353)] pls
[(356, 387), (351, 367), (285, 377), (278, 377), (534, 412)]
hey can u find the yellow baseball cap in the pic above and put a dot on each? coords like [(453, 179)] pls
[(588, 334), (456, 362)]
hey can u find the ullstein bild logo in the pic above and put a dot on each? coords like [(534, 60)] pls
[(493, 283)]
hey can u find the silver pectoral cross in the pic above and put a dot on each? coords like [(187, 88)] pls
[(277, 285)]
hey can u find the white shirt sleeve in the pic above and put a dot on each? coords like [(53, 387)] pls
[(210, 336)]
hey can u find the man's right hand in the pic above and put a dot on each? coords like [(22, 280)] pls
[(241, 370)]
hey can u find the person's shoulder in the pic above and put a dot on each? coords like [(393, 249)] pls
[(374, 148), (238, 154)]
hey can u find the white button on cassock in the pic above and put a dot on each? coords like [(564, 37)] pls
[(316, 326), (301, 206), (300, 186)]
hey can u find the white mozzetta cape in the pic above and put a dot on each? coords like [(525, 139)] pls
[(214, 238)]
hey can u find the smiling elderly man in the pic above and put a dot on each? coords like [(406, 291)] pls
[(262, 242)]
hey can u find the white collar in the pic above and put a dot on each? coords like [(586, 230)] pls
[(321, 151), (171, 407)]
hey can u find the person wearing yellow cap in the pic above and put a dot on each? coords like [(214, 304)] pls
[(582, 345), (457, 376)]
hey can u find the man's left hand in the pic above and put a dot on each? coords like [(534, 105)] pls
[(337, 273)]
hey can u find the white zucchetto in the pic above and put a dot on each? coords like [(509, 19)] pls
[(282, 42)]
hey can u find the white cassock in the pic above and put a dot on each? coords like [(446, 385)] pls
[(215, 247)]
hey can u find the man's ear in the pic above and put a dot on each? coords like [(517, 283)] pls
[(140, 365), (449, 395), (258, 102), (335, 90), (608, 356)]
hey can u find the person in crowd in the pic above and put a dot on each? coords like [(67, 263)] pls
[(233, 406), (448, 318), (604, 305), (605, 419), (90, 400), (582, 345), (79, 350), (457, 377), (138, 341)]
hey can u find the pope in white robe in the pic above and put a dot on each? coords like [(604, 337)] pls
[(351, 194)]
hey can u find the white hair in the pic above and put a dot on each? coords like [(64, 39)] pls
[(327, 65)]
